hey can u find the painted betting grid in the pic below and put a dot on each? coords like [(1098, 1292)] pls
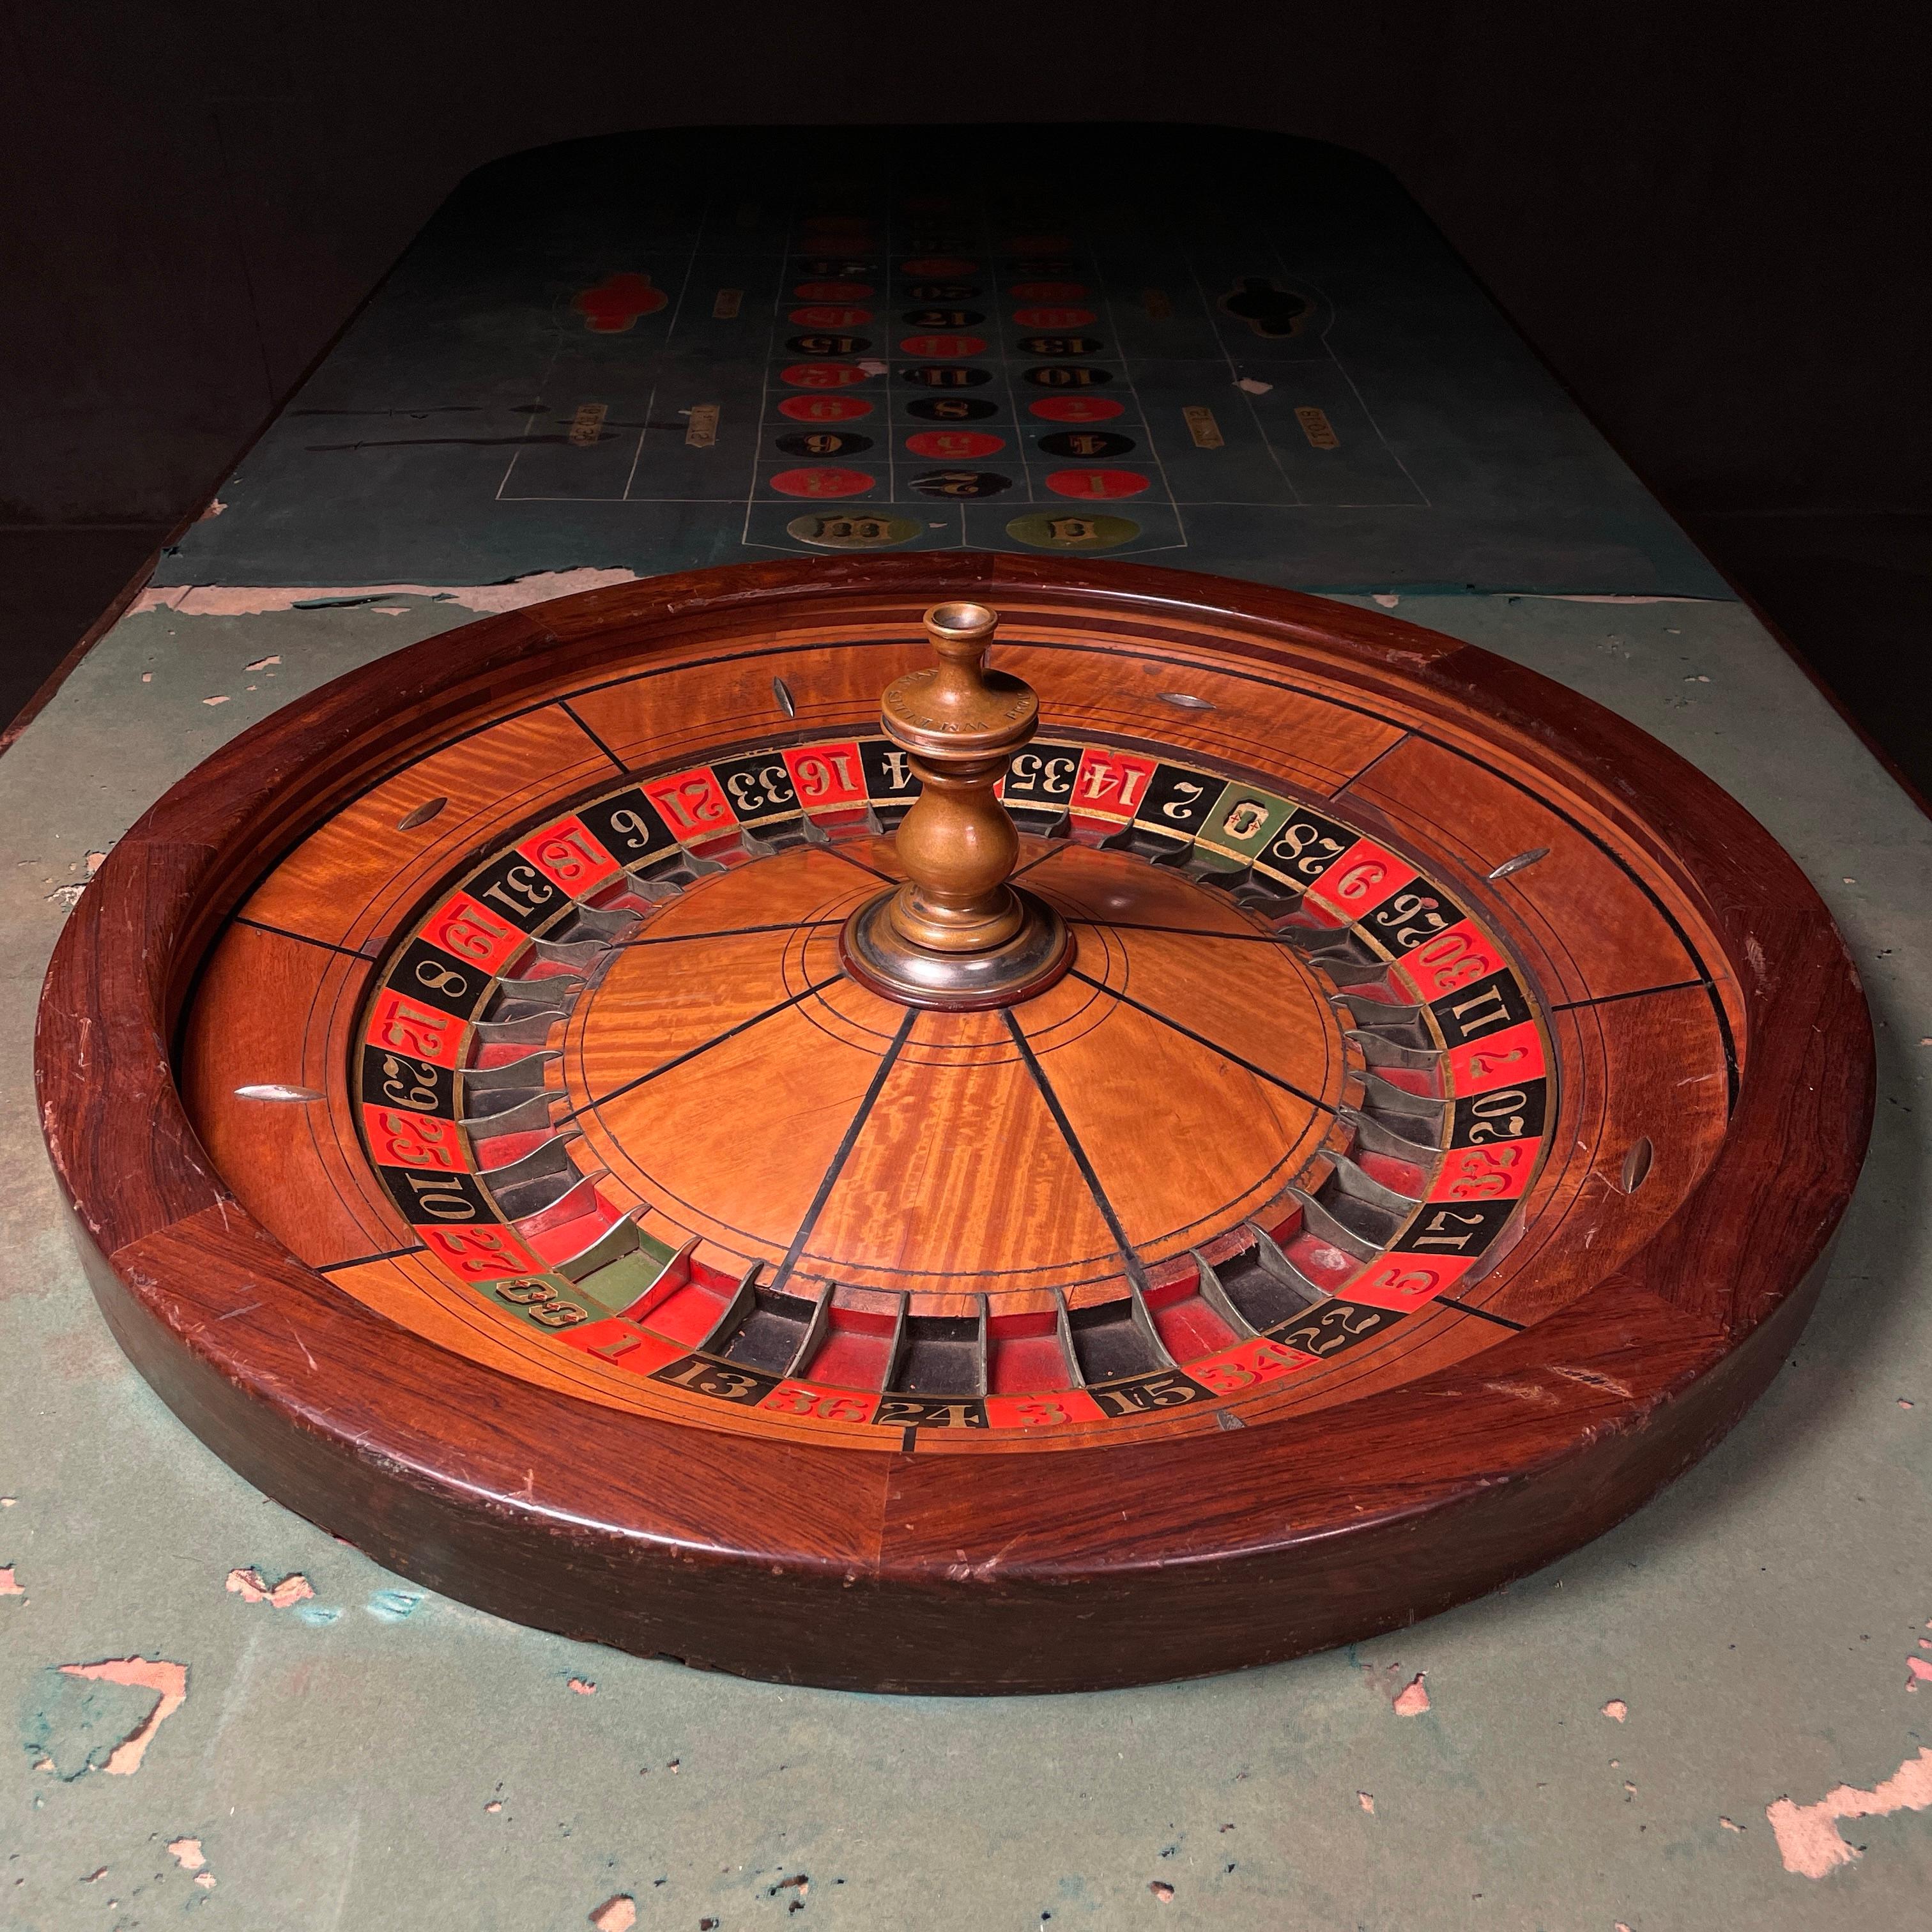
[(1223, 448)]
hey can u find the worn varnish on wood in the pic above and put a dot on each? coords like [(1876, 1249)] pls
[(1433, 1145)]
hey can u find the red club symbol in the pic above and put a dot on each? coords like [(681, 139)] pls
[(617, 302)]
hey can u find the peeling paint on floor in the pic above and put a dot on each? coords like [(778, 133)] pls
[(169, 1682), (74, 1721), (252, 1588), (221, 600), (1808, 1838)]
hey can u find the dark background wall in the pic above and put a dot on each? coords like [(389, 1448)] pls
[(1711, 221)]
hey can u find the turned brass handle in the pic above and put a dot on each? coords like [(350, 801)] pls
[(956, 934)]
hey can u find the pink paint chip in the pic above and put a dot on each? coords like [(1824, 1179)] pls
[(252, 1587), (1366, 1800), (1808, 1840), (10, 1586), (168, 1681), (616, 1914), (583, 1687), (187, 1853), (1921, 1672), (1413, 1699), (1616, 1708)]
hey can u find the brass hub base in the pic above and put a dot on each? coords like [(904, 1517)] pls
[(875, 953)]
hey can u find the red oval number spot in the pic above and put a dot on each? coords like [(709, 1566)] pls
[(944, 345), (1053, 318), (822, 482), (954, 445), (1047, 291), (824, 408), (825, 315), (1094, 486), (1077, 409), (832, 292), (823, 375)]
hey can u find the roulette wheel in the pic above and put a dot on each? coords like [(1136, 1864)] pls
[(954, 1122)]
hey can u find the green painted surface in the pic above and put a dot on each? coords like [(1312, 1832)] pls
[(613, 1289), (337, 1757), (1372, 420), (1241, 821)]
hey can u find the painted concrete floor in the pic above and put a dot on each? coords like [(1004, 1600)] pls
[(1601, 1746)]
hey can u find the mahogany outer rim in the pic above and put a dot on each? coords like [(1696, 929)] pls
[(1744, 1249)]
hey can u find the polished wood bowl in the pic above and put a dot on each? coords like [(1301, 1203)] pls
[(1435, 1146)]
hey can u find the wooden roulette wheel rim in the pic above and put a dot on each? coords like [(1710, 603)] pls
[(1265, 1477)]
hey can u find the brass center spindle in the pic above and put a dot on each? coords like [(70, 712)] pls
[(956, 934)]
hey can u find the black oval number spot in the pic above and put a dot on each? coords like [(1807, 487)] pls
[(1067, 376), (961, 483), (1088, 444), (946, 375), (825, 442), (829, 345), (952, 408)]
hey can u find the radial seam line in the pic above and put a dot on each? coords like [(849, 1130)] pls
[(704, 1046), (887, 1060), (570, 712), (1635, 993), (1131, 1260), (1201, 1040)]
